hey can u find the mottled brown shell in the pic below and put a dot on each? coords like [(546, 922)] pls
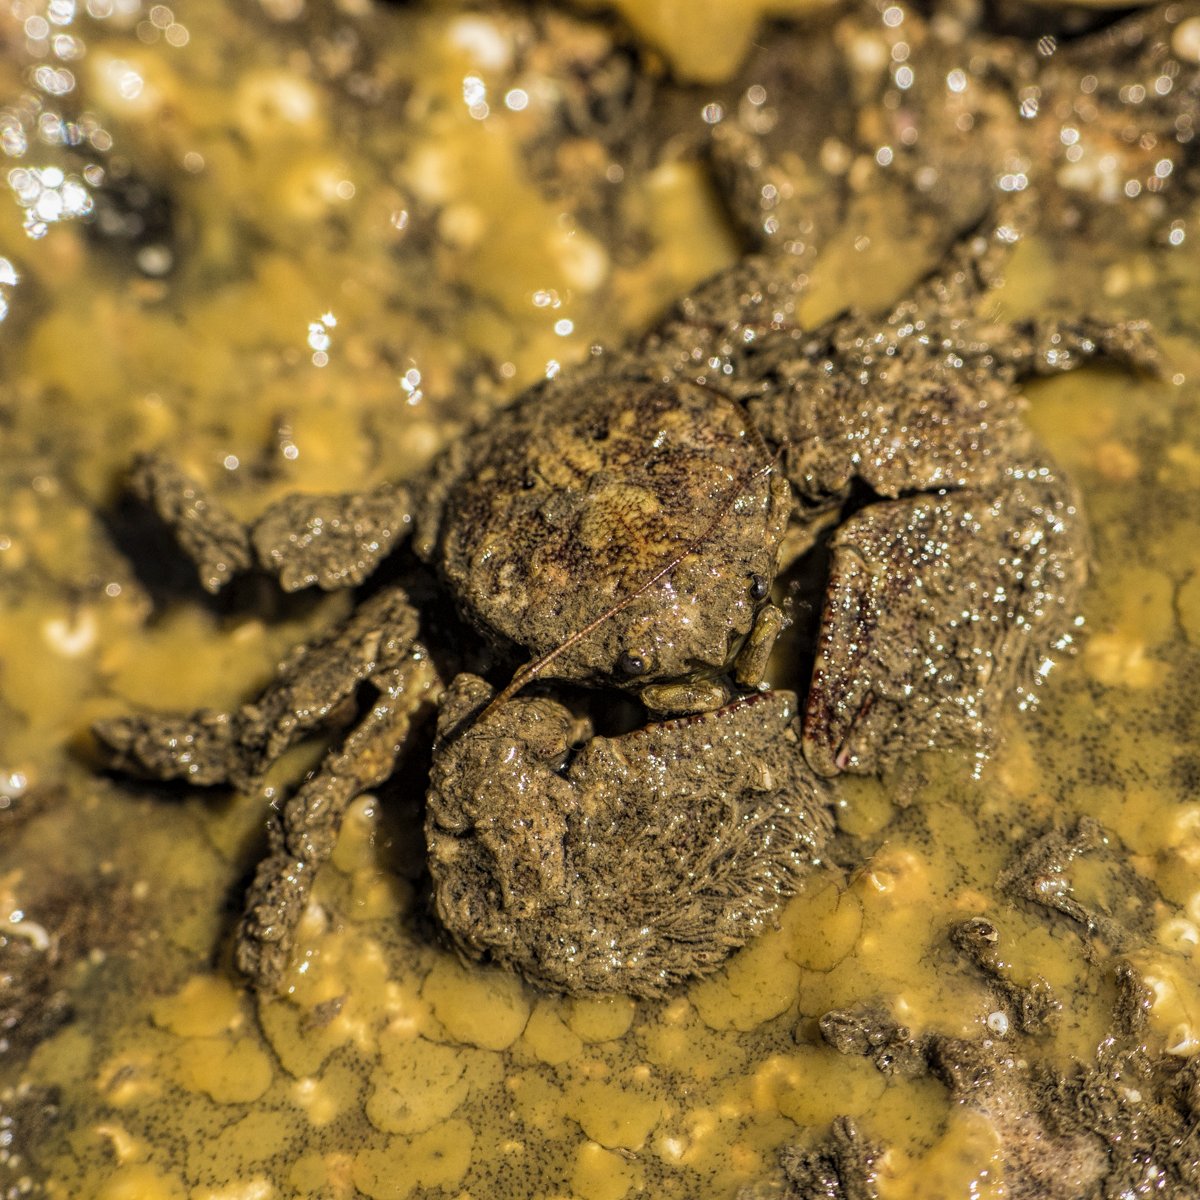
[(570, 504), (631, 865)]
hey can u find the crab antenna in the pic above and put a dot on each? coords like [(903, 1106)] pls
[(531, 670)]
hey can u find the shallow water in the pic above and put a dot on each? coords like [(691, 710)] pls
[(344, 233)]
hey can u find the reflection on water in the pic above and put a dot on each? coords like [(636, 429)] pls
[(321, 240), (41, 126)]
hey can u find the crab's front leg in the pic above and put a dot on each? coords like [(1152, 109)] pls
[(623, 864), (944, 602), (331, 541), (302, 837)]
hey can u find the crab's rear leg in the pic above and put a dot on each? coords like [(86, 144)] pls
[(207, 532), (971, 268), (1048, 346), (785, 215), (208, 747), (938, 609), (1033, 346), (331, 541), (303, 836)]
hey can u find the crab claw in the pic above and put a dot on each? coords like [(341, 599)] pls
[(938, 608), (624, 864)]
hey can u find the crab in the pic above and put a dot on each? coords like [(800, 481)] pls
[(620, 530)]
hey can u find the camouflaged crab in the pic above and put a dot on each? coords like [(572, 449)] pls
[(620, 529)]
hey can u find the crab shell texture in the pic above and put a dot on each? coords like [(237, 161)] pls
[(651, 509), (625, 864)]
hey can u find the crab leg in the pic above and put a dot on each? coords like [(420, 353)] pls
[(207, 532), (1047, 347), (786, 213), (332, 541), (958, 573), (303, 836), (1038, 875), (208, 747), (970, 269)]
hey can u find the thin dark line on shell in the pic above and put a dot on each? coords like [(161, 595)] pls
[(532, 670)]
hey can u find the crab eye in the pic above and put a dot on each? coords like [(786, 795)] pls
[(631, 664), (760, 585)]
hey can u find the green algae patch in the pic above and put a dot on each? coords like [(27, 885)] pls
[(477, 1007), (437, 1159), (337, 1092), (601, 1174), (758, 983), (418, 1083), (205, 1006), (341, 993), (822, 926), (679, 1040), (141, 1182), (705, 42), (964, 1161), (229, 1071), (812, 1084), (618, 1114), (1188, 605), (255, 1142), (539, 1104), (64, 1059), (600, 1018), (548, 1037), (301, 1045)]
